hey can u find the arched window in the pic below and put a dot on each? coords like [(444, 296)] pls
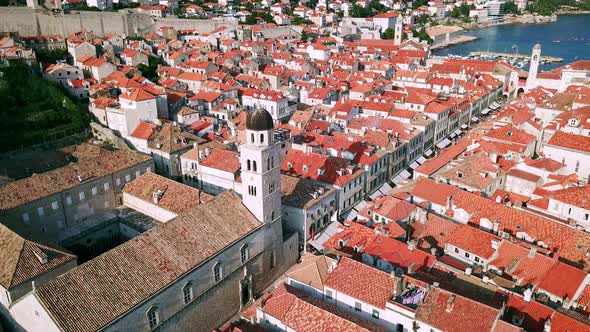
[(217, 272), (187, 293), (244, 253), (268, 167), (248, 162), (252, 138), (153, 317), (254, 165)]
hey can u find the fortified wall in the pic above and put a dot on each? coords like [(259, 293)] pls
[(31, 22)]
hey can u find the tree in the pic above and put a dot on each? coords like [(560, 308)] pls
[(180, 11), (50, 56), (304, 36), (422, 19), (298, 20), (34, 110), (150, 71), (389, 34), (422, 35)]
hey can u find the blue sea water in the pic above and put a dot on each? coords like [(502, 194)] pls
[(572, 32)]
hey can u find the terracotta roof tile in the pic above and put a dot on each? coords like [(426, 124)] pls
[(176, 197), (22, 260), (93, 294), (362, 282)]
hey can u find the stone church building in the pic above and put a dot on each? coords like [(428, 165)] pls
[(192, 273)]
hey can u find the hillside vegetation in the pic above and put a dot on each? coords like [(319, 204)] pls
[(34, 111)]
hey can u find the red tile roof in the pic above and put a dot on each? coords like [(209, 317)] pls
[(450, 312), (362, 282), (137, 95), (433, 191), (224, 160), (518, 263), (473, 240), (535, 314), (563, 280), (570, 141), (143, 130), (563, 323)]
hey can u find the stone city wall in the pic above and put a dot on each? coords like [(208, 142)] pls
[(32, 22)]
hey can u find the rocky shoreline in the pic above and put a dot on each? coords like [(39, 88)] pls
[(460, 40), (524, 19)]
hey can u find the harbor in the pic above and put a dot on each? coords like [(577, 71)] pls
[(566, 40), (512, 56)]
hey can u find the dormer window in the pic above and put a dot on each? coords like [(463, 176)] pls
[(290, 166), (305, 169)]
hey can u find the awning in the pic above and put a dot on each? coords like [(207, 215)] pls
[(421, 160), (361, 205), (385, 189), (453, 135), (397, 180), (374, 195), (324, 235), (444, 143), (464, 126), (349, 215), (405, 174), (458, 132), (475, 119), (495, 105), (428, 153), (486, 111), (414, 165)]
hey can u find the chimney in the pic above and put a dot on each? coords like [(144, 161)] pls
[(528, 294), (555, 256), (449, 202), (450, 303), (496, 226), (547, 327), (411, 245), (433, 251), (532, 252), (156, 195), (422, 216)]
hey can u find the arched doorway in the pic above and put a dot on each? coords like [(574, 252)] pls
[(520, 91)]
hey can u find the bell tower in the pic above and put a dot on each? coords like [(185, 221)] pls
[(260, 157), (399, 30), (531, 80)]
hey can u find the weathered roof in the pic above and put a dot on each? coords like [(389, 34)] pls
[(23, 260), (95, 293), (37, 186), (299, 192), (175, 196)]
